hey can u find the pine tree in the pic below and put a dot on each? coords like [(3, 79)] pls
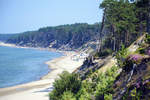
[(121, 19), (145, 4)]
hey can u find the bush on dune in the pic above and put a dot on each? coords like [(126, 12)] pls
[(68, 96), (66, 82)]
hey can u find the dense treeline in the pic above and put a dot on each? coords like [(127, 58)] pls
[(122, 20), (73, 36), (125, 21), (5, 37)]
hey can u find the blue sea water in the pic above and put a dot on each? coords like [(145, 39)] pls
[(22, 65)]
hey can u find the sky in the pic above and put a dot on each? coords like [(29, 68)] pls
[(26, 15)]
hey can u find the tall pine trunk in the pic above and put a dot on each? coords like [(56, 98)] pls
[(127, 38), (100, 35), (114, 45)]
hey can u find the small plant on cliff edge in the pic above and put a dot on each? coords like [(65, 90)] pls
[(148, 51), (121, 55), (141, 50), (68, 96), (108, 97), (147, 40), (66, 82), (104, 84), (105, 52), (135, 58)]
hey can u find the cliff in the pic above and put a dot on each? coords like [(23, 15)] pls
[(124, 75), (66, 37)]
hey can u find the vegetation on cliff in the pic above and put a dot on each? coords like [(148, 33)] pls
[(65, 36), (128, 79), (124, 21), (5, 37), (124, 35)]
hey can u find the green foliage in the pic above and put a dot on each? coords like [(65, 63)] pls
[(105, 82), (85, 95), (103, 53), (106, 52), (140, 50), (85, 91), (147, 40), (5, 37), (67, 82), (96, 55), (133, 92), (121, 55), (99, 86), (68, 96), (69, 87), (108, 97), (120, 19), (75, 34)]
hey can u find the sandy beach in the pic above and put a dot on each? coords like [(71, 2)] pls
[(39, 90), (6, 44)]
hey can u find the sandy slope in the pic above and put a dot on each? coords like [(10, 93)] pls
[(38, 90)]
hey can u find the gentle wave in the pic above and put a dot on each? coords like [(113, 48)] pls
[(19, 65)]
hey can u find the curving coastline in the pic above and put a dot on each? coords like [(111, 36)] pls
[(39, 89)]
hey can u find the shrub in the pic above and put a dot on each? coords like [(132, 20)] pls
[(85, 91), (143, 45), (96, 55), (108, 97), (66, 82), (135, 58), (121, 56), (131, 60), (105, 52), (133, 92), (148, 52), (85, 95), (105, 82), (141, 50), (147, 40), (68, 96)]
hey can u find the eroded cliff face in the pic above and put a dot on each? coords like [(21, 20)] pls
[(61, 37), (134, 81)]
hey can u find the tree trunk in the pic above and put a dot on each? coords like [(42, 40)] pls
[(100, 35), (114, 46), (141, 29), (141, 25), (127, 38)]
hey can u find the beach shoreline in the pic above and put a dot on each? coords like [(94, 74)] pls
[(68, 62), (26, 47)]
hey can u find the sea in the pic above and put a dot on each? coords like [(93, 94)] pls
[(23, 65)]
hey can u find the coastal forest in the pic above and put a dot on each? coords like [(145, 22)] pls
[(117, 68), (120, 67)]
